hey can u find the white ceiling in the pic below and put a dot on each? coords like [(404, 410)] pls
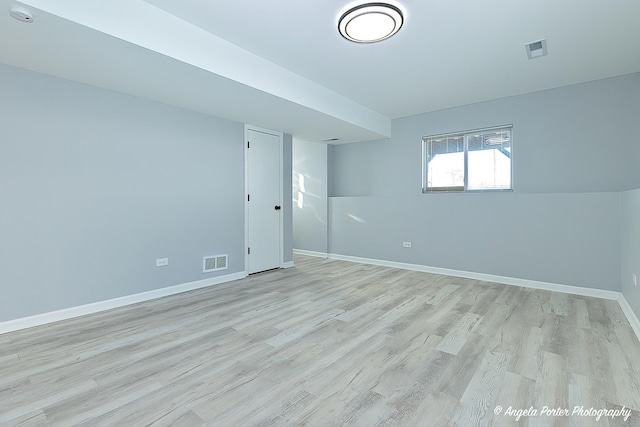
[(282, 65)]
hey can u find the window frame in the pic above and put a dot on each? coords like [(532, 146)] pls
[(464, 188)]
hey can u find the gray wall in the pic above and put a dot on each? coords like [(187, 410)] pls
[(572, 139), (572, 156), (310, 219), (631, 248), (570, 238), (96, 185)]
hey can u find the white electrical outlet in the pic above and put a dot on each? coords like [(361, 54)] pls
[(406, 244), (635, 280), (161, 262)]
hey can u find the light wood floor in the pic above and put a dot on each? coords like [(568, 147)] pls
[(327, 343)]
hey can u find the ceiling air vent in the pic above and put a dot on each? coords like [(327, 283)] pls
[(536, 49), (214, 263), (331, 140)]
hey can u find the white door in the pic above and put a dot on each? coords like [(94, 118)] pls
[(263, 201)]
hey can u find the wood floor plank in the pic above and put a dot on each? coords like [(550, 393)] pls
[(457, 337), (559, 304), (516, 392), (282, 411), (580, 395), (435, 409), (581, 313), (8, 357), (442, 294), (625, 375), (407, 400), (37, 402), (553, 389), (302, 327), (578, 360), (479, 399), (327, 343), (556, 336), (455, 380), (35, 418), (405, 361)]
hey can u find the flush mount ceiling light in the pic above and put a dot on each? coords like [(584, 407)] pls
[(370, 22)]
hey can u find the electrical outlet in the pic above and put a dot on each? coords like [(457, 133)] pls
[(161, 262), (635, 280), (406, 244)]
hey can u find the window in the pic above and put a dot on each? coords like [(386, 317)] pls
[(476, 160)]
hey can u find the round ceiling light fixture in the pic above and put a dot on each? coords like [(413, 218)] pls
[(370, 22)]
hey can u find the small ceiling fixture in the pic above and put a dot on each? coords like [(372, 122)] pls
[(536, 49), (21, 14), (370, 22)]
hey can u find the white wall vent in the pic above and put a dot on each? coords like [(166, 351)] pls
[(214, 263), (536, 49)]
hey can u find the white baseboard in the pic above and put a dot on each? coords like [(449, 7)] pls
[(69, 313), (311, 253), (631, 316), (82, 310), (533, 284)]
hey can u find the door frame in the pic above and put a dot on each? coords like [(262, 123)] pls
[(280, 136)]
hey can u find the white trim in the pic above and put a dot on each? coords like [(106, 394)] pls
[(534, 284), (246, 204), (96, 307), (280, 135), (311, 253), (281, 202), (631, 316)]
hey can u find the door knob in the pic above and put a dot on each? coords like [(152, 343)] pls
[(277, 207)]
